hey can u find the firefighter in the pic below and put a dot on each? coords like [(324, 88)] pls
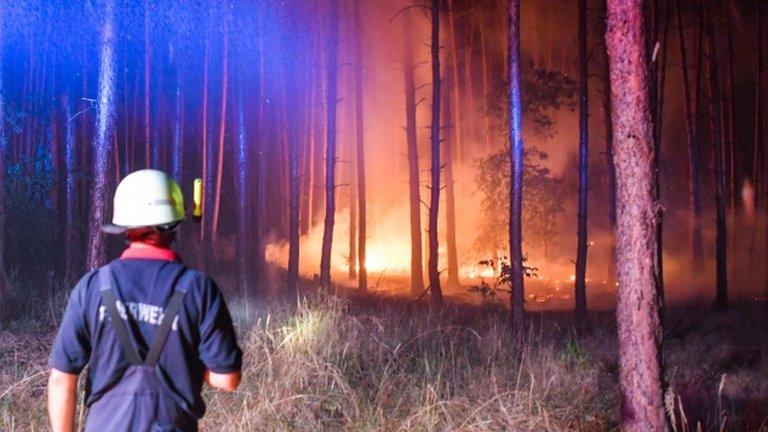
[(151, 330)]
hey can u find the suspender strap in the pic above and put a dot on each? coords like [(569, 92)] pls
[(106, 280), (171, 312)]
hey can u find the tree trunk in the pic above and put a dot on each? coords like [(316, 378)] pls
[(70, 161), (721, 295), (638, 311), (293, 210), (609, 142), (244, 202), (452, 116), (330, 149), (204, 222), (178, 131), (515, 112), (147, 74), (259, 233), (305, 207), (222, 130), (417, 273), (581, 253), (101, 142), (694, 197), (3, 155), (362, 274), (658, 74), (729, 122), (759, 106), (434, 200)]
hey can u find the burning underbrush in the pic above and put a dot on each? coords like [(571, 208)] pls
[(389, 364)]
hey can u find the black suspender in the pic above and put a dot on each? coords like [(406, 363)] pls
[(107, 282)]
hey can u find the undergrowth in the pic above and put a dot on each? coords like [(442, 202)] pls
[(378, 364)]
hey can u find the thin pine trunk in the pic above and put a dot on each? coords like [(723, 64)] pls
[(244, 202), (362, 281), (453, 145), (721, 259), (147, 74), (330, 152), (694, 197), (417, 273), (204, 147), (729, 120), (515, 113), (638, 311), (759, 106), (293, 210), (259, 232), (70, 161), (581, 253), (3, 155), (178, 131), (434, 200), (101, 142), (222, 130)]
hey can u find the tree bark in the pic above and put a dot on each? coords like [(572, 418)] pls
[(638, 311), (417, 273), (581, 253), (434, 200), (609, 142), (101, 142), (330, 152), (721, 295), (515, 113), (362, 274)]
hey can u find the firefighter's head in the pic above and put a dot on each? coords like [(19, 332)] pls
[(148, 207)]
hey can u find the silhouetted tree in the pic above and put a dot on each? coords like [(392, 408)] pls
[(694, 198), (721, 297), (638, 314), (453, 144), (417, 275), (362, 275), (515, 110), (581, 254), (330, 149), (434, 196)]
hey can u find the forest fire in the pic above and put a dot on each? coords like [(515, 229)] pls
[(399, 214)]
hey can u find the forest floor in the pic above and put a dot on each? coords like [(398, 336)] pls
[(378, 363)]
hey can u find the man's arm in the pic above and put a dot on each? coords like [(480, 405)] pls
[(227, 382), (62, 400)]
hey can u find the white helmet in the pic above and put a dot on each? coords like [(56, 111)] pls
[(146, 198)]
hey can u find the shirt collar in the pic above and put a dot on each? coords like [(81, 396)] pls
[(145, 251)]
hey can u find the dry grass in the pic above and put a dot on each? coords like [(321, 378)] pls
[(379, 364)]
